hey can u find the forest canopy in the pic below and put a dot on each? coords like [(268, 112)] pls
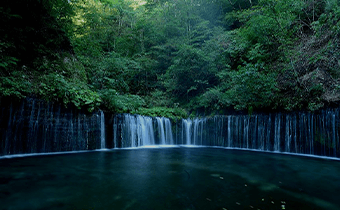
[(168, 58)]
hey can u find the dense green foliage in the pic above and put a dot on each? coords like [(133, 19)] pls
[(161, 57), (37, 57)]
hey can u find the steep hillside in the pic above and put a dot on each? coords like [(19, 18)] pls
[(312, 78)]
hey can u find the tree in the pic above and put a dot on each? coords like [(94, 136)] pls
[(190, 74)]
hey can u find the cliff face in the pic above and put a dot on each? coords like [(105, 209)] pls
[(313, 74)]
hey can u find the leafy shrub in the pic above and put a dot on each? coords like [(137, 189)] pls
[(15, 85), (172, 113), (251, 88), (58, 88), (121, 103)]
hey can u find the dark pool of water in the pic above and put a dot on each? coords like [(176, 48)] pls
[(169, 178)]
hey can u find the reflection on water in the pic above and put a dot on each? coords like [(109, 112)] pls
[(169, 178)]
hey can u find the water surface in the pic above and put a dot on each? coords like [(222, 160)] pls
[(169, 178)]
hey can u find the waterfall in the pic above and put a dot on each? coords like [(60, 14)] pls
[(130, 128), (145, 131), (229, 132), (115, 132), (334, 134), (277, 133), (102, 130), (288, 135), (245, 133), (161, 132), (198, 131), (298, 132), (35, 126), (187, 123), (132, 131), (168, 131), (135, 130)]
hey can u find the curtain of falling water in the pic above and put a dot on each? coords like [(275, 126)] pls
[(35, 126), (300, 132)]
